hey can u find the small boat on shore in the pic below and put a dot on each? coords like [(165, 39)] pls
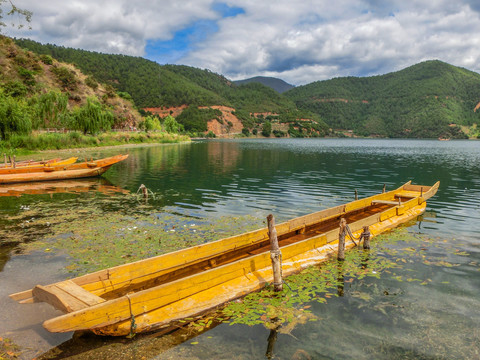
[(153, 293), (35, 166), (14, 163), (57, 171)]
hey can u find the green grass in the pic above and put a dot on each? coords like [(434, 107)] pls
[(25, 144)]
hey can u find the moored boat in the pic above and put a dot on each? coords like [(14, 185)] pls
[(60, 172), (35, 166), (152, 293), (26, 162)]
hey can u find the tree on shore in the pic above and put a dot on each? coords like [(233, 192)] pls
[(267, 128)]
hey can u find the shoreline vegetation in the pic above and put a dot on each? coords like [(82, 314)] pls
[(21, 145)]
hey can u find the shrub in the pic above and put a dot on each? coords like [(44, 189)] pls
[(125, 95), (15, 88), (92, 118), (28, 76), (66, 77), (90, 82), (14, 117), (267, 128), (152, 123), (46, 59), (110, 91), (49, 108), (171, 125)]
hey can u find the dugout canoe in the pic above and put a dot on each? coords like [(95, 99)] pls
[(61, 172), (35, 167), (28, 162), (153, 293)]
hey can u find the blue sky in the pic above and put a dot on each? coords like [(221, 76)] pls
[(299, 42), (183, 41)]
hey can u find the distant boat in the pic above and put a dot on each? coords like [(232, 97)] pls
[(443, 139), (59, 172), (154, 293)]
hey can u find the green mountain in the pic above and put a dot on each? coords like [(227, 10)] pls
[(428, 100), (154, 85), (424, 100), (278, 85)]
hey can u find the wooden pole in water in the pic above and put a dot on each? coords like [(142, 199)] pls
[(275, 254), (384, 187), (366, 237), (356, 194), (341, 239), (144, 191)]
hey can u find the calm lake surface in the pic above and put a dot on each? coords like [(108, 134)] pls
[(428, 309)]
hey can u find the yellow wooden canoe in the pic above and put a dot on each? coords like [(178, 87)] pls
[(31, 168), (61, 172), (152, 293), (28, 163)]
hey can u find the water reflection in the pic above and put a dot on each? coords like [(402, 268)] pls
[(101, 185)]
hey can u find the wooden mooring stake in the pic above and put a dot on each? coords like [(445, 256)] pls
[(144, 190), (341, 239), (344, 228), (275, 254), (366, 237)]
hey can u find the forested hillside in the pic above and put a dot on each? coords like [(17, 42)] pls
[(151, 85), (154, 85), (424, 100), (428, 100)]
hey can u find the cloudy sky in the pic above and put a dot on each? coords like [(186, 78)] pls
[(297, 41)]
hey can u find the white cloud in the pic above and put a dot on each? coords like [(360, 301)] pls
[(299, 42), (112, 26), (343, 41)]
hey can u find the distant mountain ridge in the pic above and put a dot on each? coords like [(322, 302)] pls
[(276, 84), (429, 99)]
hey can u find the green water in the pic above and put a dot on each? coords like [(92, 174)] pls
[(428, 308)]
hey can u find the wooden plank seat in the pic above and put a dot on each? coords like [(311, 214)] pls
[(66, 296), (386, 202), (406, 196)]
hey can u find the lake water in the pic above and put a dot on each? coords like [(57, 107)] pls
[(433, 312)]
